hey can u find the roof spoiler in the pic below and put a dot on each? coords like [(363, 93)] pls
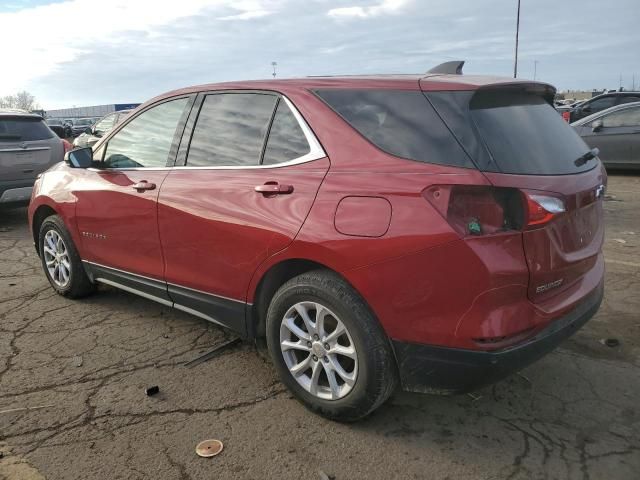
[(448, 68)]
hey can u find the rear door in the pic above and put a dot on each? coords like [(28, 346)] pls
[(249, 172), (519, 141), (619, 137)]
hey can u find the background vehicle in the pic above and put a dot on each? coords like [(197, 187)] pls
[(63, 130), (80, 125), (616, 133), (27, 148), (100, 129), (602, 102), (437, 231)]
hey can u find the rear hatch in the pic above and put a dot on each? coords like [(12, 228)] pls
[(27, 147), (519, 142)]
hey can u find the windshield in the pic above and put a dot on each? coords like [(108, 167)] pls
[(83, 122), (525, 135), (52, 121)]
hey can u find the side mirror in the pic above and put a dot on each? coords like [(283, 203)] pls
[(79, 158), (88, 130), (596, 125)]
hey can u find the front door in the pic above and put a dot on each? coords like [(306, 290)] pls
[(240, 198), (117, 212)]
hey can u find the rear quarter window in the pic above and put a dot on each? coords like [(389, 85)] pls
[(24, 130), (402, 123)]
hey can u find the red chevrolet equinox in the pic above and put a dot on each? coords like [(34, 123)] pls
[(435, 231)]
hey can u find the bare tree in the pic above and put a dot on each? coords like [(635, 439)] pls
[(22, 100)]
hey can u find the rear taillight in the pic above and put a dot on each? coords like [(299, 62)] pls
[(542, 209), (67, 145), (566, 116), (483, 210)]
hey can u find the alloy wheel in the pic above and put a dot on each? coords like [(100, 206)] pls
[(56, 258), (318, 350)]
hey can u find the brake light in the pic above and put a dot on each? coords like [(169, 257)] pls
[(67, 145), (542, 208), (566, 116), (482, 210)]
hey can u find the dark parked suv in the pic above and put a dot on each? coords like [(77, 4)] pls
[(435, 231), (27, 148), (602, 102)]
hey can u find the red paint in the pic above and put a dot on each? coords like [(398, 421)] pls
[(425, 281)]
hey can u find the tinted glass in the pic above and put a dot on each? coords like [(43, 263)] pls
[(146, 140), (23, 130), (627, 118), (106, 124), (525, 135), (600, 104), (231, 129), (402, 123), (625, 99), (286, 138)]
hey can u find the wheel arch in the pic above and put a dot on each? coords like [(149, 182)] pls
[(43, 211)]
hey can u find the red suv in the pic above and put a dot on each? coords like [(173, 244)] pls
[(436, 231)]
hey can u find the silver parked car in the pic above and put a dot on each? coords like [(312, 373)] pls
[(616, 133), (28, 147), (103, 126)]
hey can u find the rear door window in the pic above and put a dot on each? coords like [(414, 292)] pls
[(525, 135), (286, 139), (24, 130), (231, 130), (600, 104), (400, 122), (629, 117)]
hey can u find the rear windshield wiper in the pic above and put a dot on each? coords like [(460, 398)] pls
[(590, 155)]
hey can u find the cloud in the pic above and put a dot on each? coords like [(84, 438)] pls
[(383, 8), (40, 40)]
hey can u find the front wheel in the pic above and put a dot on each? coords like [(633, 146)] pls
[(328, 347), (60, 260)]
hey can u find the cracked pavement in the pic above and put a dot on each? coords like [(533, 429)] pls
[(573, 415)]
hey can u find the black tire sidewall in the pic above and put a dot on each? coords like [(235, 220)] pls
[(55, 223)]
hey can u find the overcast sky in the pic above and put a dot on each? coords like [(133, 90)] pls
[(88, 52)]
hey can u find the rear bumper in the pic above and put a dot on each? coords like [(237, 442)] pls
[(432, 369), (16, 191)]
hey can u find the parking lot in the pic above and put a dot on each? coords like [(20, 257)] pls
[(82, 368)]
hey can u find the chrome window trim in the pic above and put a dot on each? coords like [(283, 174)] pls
[(316, 152), (35, 149)]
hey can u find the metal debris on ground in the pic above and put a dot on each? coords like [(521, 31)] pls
[(209, 355), (209, 448), (611, 342), (152, 390), (324, 476), (77, 361)]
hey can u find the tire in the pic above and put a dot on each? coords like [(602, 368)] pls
[(76, 283), (363, 381)]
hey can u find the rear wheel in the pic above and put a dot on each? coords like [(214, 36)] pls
[(60, 260), (328, 347)]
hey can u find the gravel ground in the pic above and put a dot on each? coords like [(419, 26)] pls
[(574, 414)]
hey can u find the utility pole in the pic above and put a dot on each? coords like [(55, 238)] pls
[(515, 65), (535, 68), (274, 65), (633, 83)]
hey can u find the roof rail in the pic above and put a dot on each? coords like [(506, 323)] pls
[(448, 68)]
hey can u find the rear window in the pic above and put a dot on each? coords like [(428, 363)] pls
[(402, 123), (525, 135), (23, 130)]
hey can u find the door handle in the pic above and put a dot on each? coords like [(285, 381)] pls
[(274, 188), (144, 185)]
